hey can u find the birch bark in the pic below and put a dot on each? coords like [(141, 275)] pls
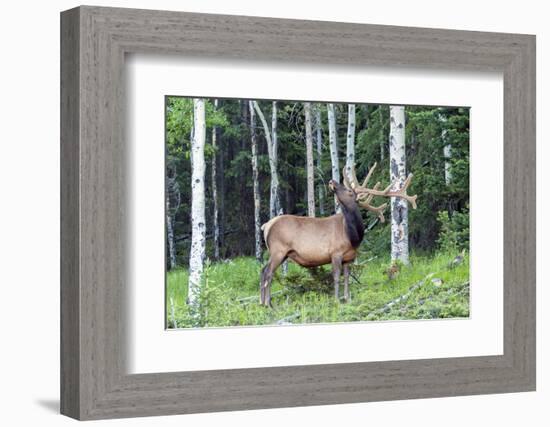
[(333, 149), (447, 155), (399, 208), (271, 139), (198, 223), (215, 189), (309, 161), (256, 185), (275, 205), (170, 234), (319, 143), (221, 179), (350, 140), (447, 151)]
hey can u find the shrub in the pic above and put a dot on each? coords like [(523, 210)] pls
[(454, 234)]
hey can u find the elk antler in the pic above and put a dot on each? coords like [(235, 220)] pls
[(365, 194), (354, 184)]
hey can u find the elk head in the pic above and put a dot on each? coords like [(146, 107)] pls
[(352, 193), (345, 195)]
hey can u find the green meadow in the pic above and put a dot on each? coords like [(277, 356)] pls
[(431, 287)]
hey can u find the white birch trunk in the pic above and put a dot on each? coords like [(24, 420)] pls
[(198, 222), (271, 139), (447, 155), (170, 233), (350, 140), (215, 190), (399, 208), (309, 161), (256, 185), (275, 205), (221, 218), (447, 152), (319, 141), (333, 149)]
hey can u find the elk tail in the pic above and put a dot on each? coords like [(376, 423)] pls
[(266, 227)]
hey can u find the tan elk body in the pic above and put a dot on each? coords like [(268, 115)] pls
[(312, 242)]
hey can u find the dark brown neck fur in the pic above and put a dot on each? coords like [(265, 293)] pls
[(355, 229)]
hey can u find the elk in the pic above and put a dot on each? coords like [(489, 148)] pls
[(312, 242)]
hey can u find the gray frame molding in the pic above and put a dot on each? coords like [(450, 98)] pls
[(94, 383)]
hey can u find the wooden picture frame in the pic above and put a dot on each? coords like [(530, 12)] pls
[(94, 41)]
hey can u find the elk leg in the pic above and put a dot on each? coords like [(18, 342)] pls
[(262, 280), (336, 269), (346, 282), (267, 276), (267, 295)]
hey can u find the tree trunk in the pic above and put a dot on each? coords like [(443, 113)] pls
[(309, 161), (319, 141), (447, 155), (222, 199), (271, 140), (350, 140), (256, 185), (172, 205), (333, 149), (399, 208), (170, 234), (215, 190), (275, 207), (198, 223), (382, 136), (243, 177), (447, 152)]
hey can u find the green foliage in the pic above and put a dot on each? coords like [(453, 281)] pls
[(230, 294), (428, 131), (455, 230), (179, 124)]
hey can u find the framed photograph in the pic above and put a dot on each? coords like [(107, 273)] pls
[(261, 213)]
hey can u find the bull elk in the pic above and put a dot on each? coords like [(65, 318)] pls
[(312, 242)]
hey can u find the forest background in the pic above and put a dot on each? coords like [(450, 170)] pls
[(263, 158)]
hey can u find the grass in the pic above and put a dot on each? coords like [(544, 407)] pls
[(428, 288)]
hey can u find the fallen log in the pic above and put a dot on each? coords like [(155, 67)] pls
[(287, 320), (400, 298)]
